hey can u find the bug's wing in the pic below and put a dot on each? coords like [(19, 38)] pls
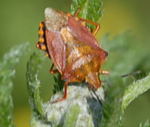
[(81, 33), (57, 49)]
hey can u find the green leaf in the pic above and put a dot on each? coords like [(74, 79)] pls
[(33, 84), (71, 117), (7, 72), (146, 124), (123, 53), (114, 89), (89, 9), (77, 4), (122, 59), (59, 83), (135, 90)]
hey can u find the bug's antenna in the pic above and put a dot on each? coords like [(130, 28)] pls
[(131, 74)]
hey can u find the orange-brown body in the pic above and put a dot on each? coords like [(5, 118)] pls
[(72, 47)]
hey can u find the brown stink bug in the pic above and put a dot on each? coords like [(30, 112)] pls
[(73, 48)]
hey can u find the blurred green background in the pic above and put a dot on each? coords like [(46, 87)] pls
[(19, 23)]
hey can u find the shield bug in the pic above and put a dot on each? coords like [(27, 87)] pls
[(73, 48)]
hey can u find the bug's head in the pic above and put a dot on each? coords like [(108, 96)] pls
[(54, 20), (103, 55)]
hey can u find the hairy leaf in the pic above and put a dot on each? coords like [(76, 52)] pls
[(114, 89), (122, 61), (7, 72), (134, 90), (33, 84), (146, 124), (124, 55)]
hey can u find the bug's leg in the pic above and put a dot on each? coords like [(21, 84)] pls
[(65, 89), (65, 93), (77, 12), (52, 70), (93, 23), (87, 21), (104, 72)]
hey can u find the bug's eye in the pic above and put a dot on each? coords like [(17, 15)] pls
[(104, 54)]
